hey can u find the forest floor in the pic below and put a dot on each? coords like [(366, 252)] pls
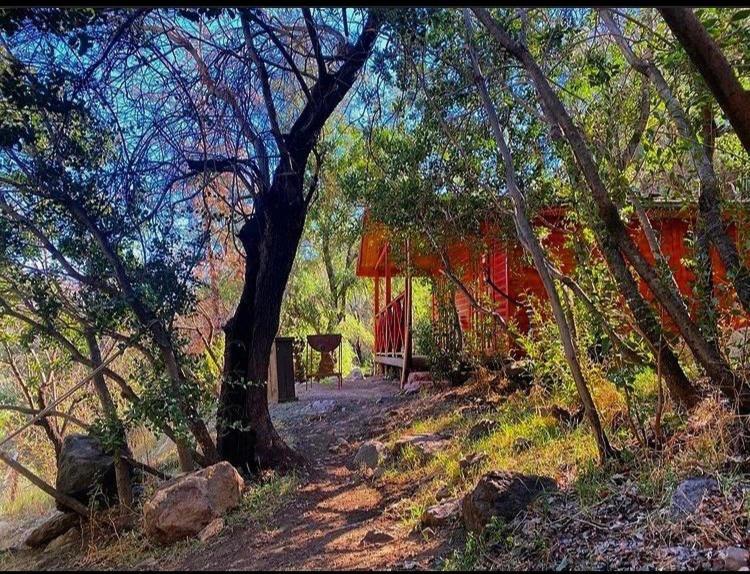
[(333, 516)]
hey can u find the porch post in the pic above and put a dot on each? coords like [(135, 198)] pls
[(406, 365)]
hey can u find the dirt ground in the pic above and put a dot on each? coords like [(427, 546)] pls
[(323, 527)]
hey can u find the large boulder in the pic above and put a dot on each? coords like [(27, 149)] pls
[(501, 494), (53, 528), (85, 471), (184, 506)]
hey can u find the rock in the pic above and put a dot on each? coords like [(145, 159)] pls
[(321, 407), (184, 506), (69, 538), (356, 374), (416, 381), (472, 461), (443, 493), (689, 494), (502, 494), (425, 445), (84, 469), (369, 454), (440, 514), (521, 444), (212, 529), (483, 428), (376, 537), (52, 528), (734, 558)]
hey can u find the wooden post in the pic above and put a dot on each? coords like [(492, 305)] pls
[(377, 311), (63, 499), (406, 365)]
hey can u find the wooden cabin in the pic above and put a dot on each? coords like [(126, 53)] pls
[(500, 273)]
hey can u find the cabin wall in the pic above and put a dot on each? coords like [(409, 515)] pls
[(511, 270)]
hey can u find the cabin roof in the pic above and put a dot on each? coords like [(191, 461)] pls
[(375, 237)]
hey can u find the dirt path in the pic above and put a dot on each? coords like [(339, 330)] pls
[(323, 527)]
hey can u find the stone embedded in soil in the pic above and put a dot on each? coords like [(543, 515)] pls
[(443, 493), (690, 493), (212, 529), (502, 494), (472, 461), (734, 558), (441, 514), (65, 541), (426, 445), (482, 429), (376, 537), (52, 528), (369, 455), (184, 506), (340, 445)]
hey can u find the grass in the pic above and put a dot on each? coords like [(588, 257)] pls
[(28, 501), (262, 501), (566, 453), (476, 547)]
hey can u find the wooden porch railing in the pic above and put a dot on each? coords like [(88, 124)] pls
[(389, 327)]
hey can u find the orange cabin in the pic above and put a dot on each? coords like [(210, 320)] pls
[(503, 276)]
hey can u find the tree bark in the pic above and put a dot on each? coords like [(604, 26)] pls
[(705, 353), (718, 74), (246, 436), (709, 200), (531, 244), (122, 469)]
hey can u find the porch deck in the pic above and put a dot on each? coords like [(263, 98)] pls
[(418, 362)]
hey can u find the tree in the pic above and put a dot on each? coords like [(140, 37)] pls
[(276, 91), (83, 239), (713, 65), (621, 242), (531, 243)]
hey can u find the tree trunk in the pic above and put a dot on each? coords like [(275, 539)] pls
[(709, 200), (707, 56), (270, 239), (245, 434), (705, 353), (531, 244), (122, 469)]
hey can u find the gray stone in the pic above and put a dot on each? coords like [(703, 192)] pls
[(369, 455), (356, 374), (690, 493), (85, 471), (425, 445), (734, 558), (502, 494), (376, 537)]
